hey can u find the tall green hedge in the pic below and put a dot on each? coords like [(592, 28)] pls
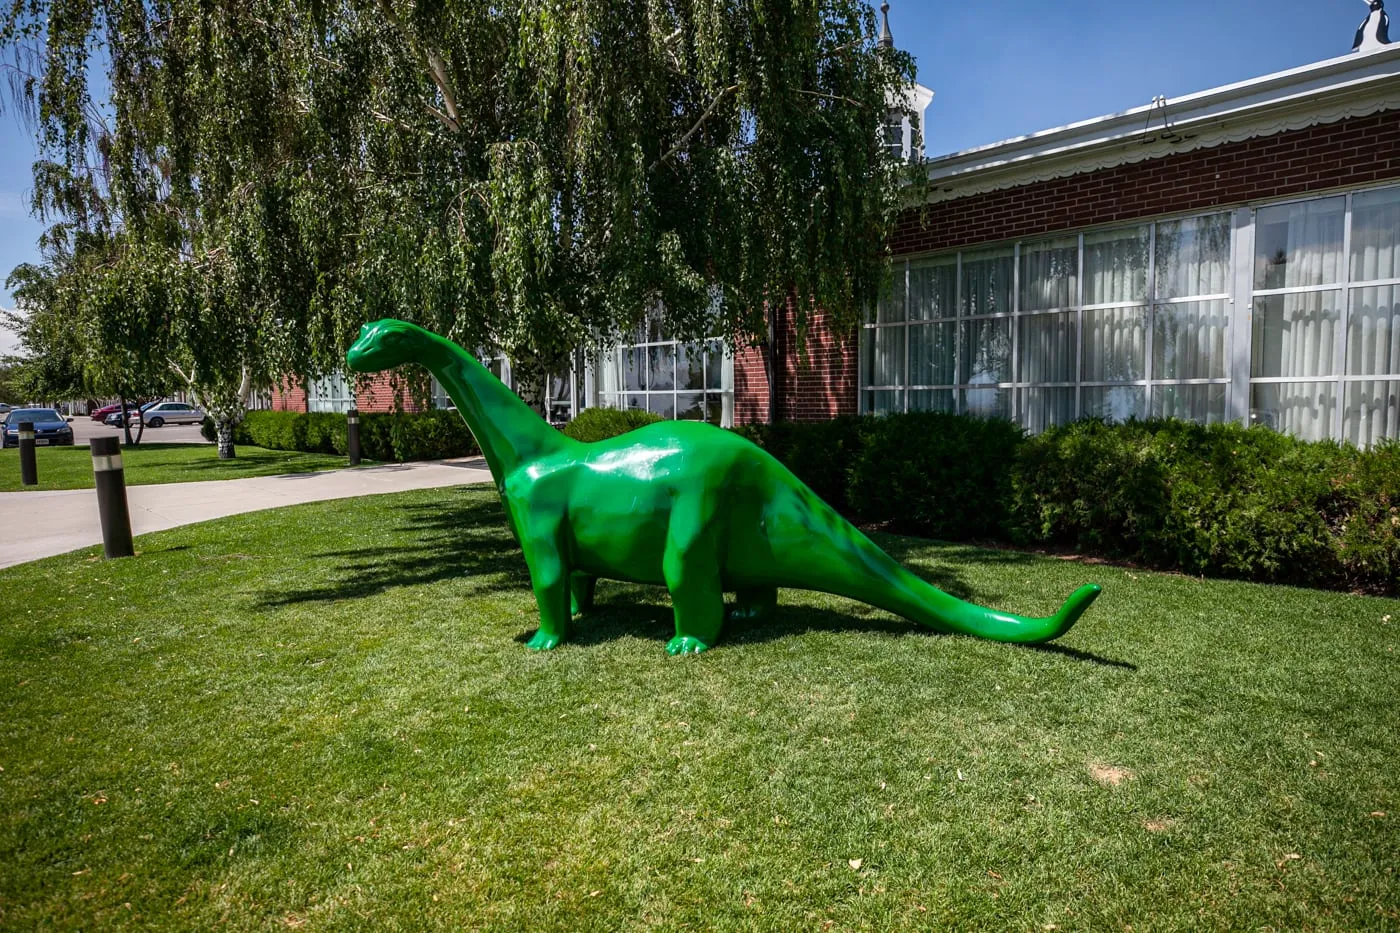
[(428, 435)]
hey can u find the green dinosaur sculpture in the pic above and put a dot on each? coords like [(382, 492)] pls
[(682, 504)]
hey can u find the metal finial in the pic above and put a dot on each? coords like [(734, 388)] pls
[(886, 37)]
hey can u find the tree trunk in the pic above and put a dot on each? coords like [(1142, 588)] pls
[(224, 429), (126, 421)]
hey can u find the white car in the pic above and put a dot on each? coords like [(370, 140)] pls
[(162, 413)]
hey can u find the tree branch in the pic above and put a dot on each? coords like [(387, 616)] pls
[(680, 143)]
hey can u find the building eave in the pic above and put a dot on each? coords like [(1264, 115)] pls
[(1323, 92)]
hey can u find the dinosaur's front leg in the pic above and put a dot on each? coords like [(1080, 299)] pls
[(755, 604), (581, 587), (550, 580), (692, 570)]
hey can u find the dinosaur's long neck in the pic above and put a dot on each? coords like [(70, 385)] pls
[(509, 431)]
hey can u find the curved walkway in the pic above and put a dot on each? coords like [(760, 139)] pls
[(42, 524)]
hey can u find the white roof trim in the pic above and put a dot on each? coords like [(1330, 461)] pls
[(1351, 85)]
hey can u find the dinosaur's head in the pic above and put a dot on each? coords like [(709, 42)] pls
[(383, 344)]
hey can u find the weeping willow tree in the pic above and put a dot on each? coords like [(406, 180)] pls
[(530, 176)]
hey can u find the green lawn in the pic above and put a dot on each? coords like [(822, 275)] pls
[(71, 467), (323, 717)]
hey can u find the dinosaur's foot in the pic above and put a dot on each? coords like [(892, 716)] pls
[(685, 644), (544, 641)]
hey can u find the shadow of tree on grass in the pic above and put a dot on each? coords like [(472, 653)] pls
[(436, 541)]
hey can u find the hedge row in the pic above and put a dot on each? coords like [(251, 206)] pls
[(1217, 500), (429, 435)]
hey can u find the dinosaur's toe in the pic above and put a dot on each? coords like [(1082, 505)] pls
[(543, 641), (685, 644)]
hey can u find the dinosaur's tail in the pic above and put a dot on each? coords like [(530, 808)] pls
[(828, 553)]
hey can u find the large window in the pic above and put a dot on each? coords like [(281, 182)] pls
[(1116, 323), (330, 393), (1286, 315), (687, 381), (1326, 348)]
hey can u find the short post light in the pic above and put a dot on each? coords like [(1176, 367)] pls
[(110, 480), (28, 466), (352, 435)]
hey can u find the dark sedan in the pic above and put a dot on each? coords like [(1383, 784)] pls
[(50, 428)]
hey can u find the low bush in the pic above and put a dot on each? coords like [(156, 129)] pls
[(598, 424), (818, 453), (934, 474), (1218, 500)]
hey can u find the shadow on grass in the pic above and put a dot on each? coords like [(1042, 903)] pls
[(436, 541), (455, 539)]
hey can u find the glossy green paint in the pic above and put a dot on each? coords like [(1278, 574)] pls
[(681, 504)]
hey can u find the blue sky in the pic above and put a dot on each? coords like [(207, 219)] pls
[(999, 69)]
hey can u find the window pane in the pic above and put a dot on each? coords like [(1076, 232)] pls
[(663, 404), (1115, 265), (636, 401), (987, 281), (690, 406), (690, 366), (1372, 413), (1115, 344), (987, 403), (884, 402), (986, 351), (1298, 244), (1188, 340), (714, 408), (714, 364), (1294, 335), (884, 356), (932, 400), (632, 374), (1047, 347), (931, 349), (1204, 404), (1304, 409), (1050, 274), (1193, 256), (558, 387), (1375, 235), (890, 307), (559, 412), (1044, 408), (1373, 332), (933, 290), (661, 368), (1114, 403)]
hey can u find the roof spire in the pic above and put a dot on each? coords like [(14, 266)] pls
[(886, 37)]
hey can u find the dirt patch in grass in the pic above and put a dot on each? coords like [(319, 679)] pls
[(1109, 775)]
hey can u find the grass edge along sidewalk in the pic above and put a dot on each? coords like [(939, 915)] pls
[(71, 467), (324, 716)]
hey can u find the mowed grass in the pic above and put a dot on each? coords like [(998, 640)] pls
[(323, 718), (71, 467)]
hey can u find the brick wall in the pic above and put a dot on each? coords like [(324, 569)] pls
[(817, 388), (1348, 153), (290, 395)]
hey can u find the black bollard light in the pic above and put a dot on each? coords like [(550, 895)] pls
[(111, 497), (28, 466), (352, 435)]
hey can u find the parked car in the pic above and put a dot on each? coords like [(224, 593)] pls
[(50, 428), (114, 420), (100, 414), (5, 409), (171, 413)]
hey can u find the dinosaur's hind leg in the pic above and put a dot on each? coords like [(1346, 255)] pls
[(691, 568)]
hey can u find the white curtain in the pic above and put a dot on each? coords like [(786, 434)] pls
[(1115, 266), (1372, 412), (1050, 274)]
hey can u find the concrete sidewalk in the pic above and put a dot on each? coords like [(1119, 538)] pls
[(42, 524)]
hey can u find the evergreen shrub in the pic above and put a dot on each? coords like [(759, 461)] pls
[(598, 424)]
